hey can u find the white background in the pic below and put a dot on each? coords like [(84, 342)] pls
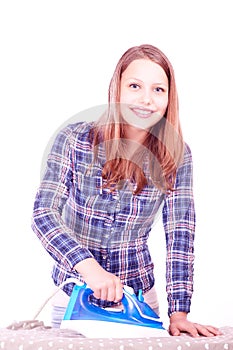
[(57, 58)]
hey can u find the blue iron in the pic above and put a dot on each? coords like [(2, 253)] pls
[(136, 319)]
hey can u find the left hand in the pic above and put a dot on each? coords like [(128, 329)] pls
[(179, 323)]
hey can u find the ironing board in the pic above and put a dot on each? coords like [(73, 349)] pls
[(34, 335)]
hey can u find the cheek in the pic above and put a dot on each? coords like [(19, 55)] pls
[(162, 104), (126, 96)]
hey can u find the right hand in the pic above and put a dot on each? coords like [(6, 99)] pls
[(105, 285)]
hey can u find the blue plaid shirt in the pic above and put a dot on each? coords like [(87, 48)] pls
[(76, 218)]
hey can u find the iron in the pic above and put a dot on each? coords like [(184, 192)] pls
[(135, 320)]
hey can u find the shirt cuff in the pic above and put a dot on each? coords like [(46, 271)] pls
[(179, 306), (74, 257)]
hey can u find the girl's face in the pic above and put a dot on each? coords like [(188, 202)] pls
[(143, 94)]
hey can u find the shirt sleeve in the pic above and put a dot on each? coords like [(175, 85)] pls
[(50, 199), (179, 225)]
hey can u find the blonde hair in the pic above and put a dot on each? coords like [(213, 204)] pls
[(163, 145)]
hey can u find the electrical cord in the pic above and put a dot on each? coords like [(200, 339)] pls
[(69, 280)]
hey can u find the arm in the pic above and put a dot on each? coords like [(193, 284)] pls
[(50, 199), (179, 225), (54, 234)]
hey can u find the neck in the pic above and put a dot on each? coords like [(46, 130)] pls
[(135, 134)]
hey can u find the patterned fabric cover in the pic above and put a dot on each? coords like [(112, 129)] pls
[(34, 335)]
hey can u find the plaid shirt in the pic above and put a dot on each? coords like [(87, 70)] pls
[(75, 218)]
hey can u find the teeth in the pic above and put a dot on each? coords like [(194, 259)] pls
[(142, 111)]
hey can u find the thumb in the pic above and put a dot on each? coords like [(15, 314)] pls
[(173, 330)]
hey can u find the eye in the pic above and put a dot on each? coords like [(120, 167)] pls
[(134, 86), (159, 89)]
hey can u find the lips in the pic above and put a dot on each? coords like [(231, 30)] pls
[(142, 112)]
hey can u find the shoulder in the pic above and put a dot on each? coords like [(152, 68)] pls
[(187, 153), (76, 132), (70, 136), (77, 129), (186, 165)]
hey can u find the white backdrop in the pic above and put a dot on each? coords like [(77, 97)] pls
[(57, 58)]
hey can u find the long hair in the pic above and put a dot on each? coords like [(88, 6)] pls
[(163, 146)]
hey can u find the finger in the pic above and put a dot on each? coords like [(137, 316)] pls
[(114, 290), (118, 291), (214, 330), (174, 330), (108, 291), (104, 293), (202, 330), (192, 330), (187, 328), (207, 331), (97, 293), (101, 291), (111, 293)]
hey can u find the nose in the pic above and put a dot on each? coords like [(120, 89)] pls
[(146, 97)]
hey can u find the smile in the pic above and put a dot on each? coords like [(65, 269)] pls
[(142, 113)]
